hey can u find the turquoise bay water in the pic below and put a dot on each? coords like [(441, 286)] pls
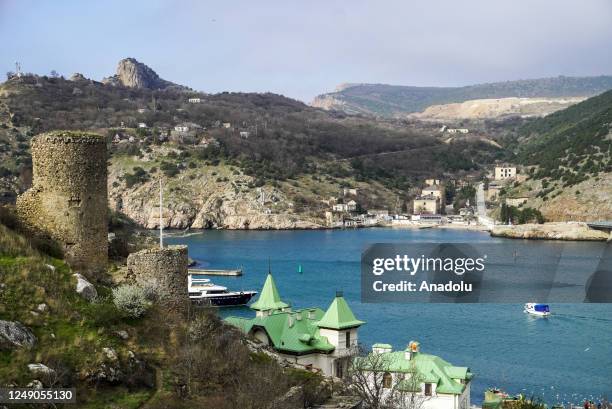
[(566, 358)]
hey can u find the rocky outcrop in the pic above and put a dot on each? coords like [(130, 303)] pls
[(127, 370), (551, 231), (85, 289), (41, 370), (209, 200), (134, 74), (14, 334)]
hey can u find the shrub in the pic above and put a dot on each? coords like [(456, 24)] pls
[(131, 300)]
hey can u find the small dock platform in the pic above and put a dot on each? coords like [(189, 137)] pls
[(211, 272)]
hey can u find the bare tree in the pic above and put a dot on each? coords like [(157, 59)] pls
[(410, 395), (370, 380)]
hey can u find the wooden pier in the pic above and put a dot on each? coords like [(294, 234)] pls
[(212, 272)]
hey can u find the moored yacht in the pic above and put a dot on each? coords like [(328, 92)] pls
[(541, 310), (203, 292)]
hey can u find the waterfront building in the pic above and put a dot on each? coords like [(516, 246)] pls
[(426, 205), (424, 378), (315, 339)]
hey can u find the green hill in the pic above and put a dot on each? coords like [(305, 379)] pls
[(268, 137), (390, 100), (181, 361), (571, 145)]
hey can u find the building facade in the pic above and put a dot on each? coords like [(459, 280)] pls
[(505, 172), (318, 340), (426, 205), (424, 378)]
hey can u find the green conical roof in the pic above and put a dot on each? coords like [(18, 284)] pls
[(339, 316), (269, 299)]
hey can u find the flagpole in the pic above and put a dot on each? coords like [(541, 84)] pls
[(161, 222)]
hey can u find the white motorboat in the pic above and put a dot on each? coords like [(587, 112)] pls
[(202, 291), (540, 310)]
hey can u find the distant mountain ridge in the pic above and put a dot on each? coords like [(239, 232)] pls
[(397, 100)]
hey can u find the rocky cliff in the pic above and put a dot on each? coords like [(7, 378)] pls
[(134, 74), (208, 197)]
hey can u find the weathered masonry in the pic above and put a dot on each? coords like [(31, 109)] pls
[(165, 268), (68, 198)]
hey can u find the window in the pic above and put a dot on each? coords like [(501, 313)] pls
[(348, 339), (387, 380), (427, 389)]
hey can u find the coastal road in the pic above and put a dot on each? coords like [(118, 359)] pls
[(481, 208)]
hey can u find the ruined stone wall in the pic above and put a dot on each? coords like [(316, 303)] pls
[(166, 268), (68, 198)]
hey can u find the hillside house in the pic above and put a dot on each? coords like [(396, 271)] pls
[(352, 206), (417, 377), (426, 205), (505, 172), (181, 128), (227, 125), (323, 341), (244, 134), (432, 182), (194, 100), (340, 207), (142, 125), (142, 110)]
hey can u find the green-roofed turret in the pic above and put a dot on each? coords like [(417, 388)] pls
[(339, 315), (269, 299)]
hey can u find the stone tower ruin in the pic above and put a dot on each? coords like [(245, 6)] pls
[(165, 268), (68, 198)]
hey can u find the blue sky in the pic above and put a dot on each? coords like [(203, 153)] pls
[(304, 48)]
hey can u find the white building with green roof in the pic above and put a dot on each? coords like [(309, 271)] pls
[(428, 379), (311, 337)]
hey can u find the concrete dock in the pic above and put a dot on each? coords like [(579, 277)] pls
[(212, 272)]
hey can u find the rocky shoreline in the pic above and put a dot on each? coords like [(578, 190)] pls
[(573, 231)]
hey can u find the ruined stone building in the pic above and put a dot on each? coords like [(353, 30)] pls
[(164, 268), (68, 198)]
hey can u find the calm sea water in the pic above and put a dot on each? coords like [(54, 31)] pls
[(566, 358)]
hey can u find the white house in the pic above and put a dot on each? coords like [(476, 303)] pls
[(142, 125), (505, 172), (340, 207), (227, 125), (424, 378), (322, 341), (181, 128), (351, 206), (244, 134), (194, 100)]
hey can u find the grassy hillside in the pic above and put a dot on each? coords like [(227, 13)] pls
[(572, 145), (180, 361), (287, 139), (390, 100)]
